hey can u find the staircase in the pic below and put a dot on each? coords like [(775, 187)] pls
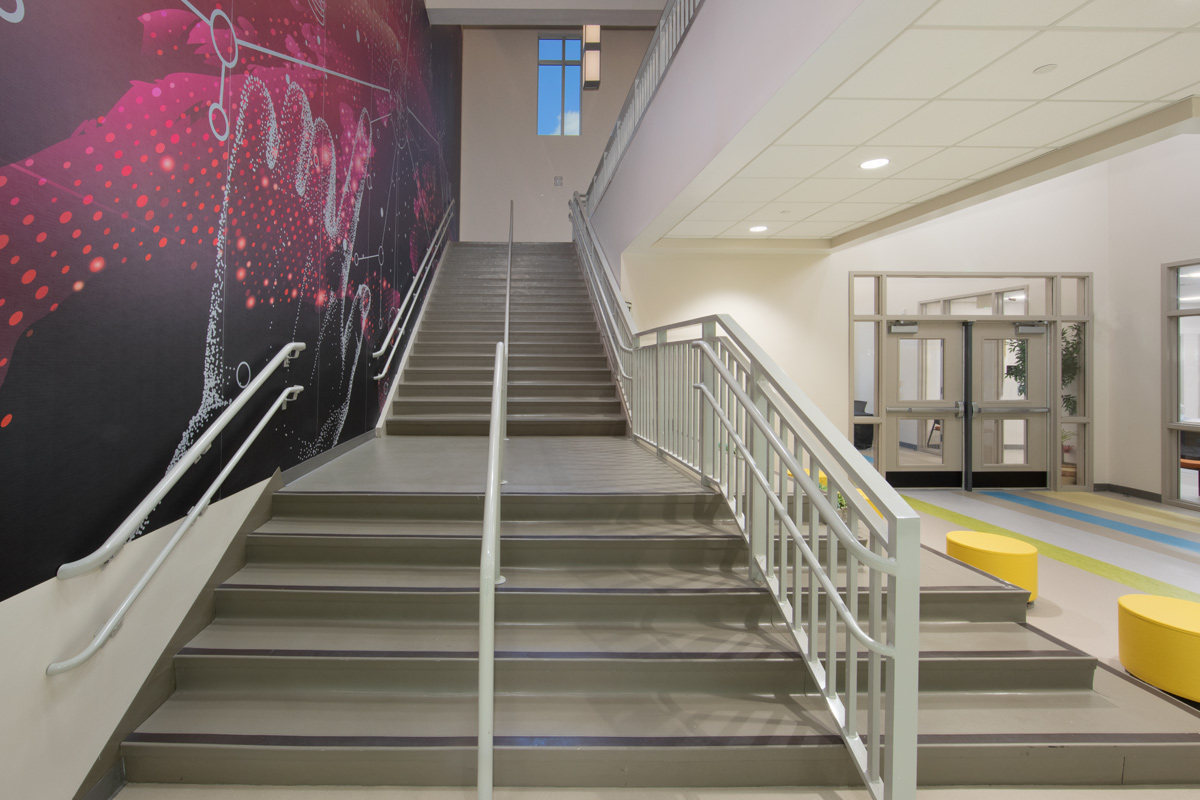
[(632, 649), (559, 380)]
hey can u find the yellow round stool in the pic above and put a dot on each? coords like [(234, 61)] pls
[(1008, 559), (1159, 642)]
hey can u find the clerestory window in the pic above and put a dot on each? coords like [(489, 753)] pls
[(560, 83)]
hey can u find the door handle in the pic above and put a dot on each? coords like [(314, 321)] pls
[(956, 409), (1012, 410)]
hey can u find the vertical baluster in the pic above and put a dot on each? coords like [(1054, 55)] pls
[(831, 613), (874, 665), (851, 642)]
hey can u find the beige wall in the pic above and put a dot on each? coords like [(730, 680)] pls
[(502, 155), (1120, 221), (55, 727)]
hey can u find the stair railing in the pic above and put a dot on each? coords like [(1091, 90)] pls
[(606, 297), (112, 546), (489, 573), (391, 342), (705, 394), (676, 19), (109, 628)]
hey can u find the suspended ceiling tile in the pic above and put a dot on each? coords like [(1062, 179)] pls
[(781, 161), (741, 230), (854, 212), (698, 228), (901, 157), (1028, 155), (956, 163), (745, 190), (1136, 14), (923, 63), (990, 13), (1164, 68), (1048, 122), (1108, 124), (1077, 54), (727, 212), (786, 212), (852, 122), (809, 230), (899, 190), (825, 190), (947, 122)]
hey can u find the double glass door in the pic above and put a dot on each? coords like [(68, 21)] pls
[(967, 405)]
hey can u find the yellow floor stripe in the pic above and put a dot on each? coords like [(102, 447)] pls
[(1112, 505), (1069, 557)]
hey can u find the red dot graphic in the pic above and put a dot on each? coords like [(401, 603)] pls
[(141, 201), (42, 292), (3, 238), (7, 419), (15, 318), (65, 217), (28, 219), (29, 276), (97, 264)]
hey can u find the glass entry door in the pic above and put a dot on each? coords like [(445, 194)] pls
[(1009, 413), (924, 404), (966, 404)]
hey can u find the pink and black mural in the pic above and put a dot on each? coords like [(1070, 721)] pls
[(185, 187)]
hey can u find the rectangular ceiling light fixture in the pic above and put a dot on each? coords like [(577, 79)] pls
[(591, 56)]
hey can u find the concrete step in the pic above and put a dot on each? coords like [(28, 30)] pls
[(483, 389), (485, 347), (517, 374), (565, 422), (515, 361), (518, 407), (675, 738)]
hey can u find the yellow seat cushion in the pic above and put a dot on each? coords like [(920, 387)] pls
[(1008, 559), (1160, 642)]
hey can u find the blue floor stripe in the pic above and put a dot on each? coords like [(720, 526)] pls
[(1132, 530)]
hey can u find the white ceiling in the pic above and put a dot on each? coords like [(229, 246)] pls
[(546, 13), (952, 99)]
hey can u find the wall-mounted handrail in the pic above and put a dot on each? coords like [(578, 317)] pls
[(107, 551), (391, 342), (606, 296), (705, 394), (489, 573), (118, 617), (676, 19)]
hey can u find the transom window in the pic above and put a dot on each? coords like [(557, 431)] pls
[(560, 83)]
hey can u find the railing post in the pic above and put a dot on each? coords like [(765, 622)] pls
[(708, 416), (759, 454), (660, 386), (903, 621)]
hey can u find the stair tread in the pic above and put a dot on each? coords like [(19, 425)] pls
[(641, 529), (645, 580), (1115, 712), (959, 640)]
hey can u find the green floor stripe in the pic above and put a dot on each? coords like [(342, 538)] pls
[(1068, 557)]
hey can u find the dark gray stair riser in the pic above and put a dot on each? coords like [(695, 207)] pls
[(488, 348), (515, 338), (515, 361), (595, 507), (432, 675), (516, 406), (515, 390), (718, 552), (821, 763), (451, 374), (546, 425)]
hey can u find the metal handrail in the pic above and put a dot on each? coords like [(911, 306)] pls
[(705, 394), (112, 546), (114, 622), (489, 574), (611, 309), (390, 345), (676, 19)]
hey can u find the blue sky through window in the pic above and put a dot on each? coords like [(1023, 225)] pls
[(560, 84)]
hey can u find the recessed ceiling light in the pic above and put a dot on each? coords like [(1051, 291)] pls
[(1044, 68), (875, 163), (758, 229)]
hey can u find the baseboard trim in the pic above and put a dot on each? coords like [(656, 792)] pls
[(318, 461), (1141, 494), (108, 785)]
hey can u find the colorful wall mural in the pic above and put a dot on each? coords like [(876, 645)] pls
[(185, 187)]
